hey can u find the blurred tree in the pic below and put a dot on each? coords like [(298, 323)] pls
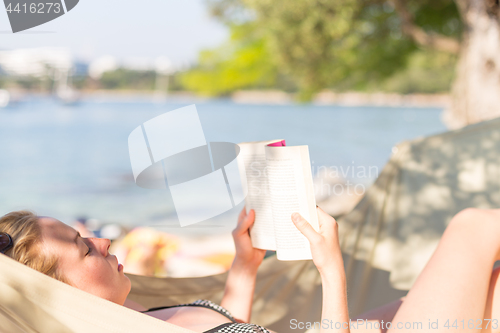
[(28, 83), (243, 62), (323, 43), (426, 72), (128, 79), (345, 43), (476, 91)]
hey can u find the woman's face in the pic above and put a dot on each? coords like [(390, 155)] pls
[(85, 262)]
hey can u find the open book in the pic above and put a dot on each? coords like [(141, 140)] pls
[(278, 181)]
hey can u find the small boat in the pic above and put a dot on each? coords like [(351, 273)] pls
[(67, 95), (64, 92), (4, 98)]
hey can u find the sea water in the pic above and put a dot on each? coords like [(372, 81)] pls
[(73, 161)]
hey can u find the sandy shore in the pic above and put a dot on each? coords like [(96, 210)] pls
[(269, 97), (345, 98)]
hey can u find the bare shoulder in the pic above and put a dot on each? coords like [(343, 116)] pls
[(134, 305)]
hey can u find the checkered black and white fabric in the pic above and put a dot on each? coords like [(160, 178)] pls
[(216, 307), (241, 328), (231, 327)]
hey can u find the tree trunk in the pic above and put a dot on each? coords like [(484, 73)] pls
[(476, 90)]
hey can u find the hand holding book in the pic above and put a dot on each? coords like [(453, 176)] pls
[(278, 181), (240, 283), (325, 247), (246, 255)]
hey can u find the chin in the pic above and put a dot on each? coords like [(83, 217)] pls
[(120, 292), (128, 288)]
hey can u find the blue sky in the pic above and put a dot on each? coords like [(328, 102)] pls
[(178, 29)]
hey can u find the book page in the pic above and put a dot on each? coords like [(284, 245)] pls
[(252, 166), (291, 190)]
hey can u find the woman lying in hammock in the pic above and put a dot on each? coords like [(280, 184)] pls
[(456, 283)]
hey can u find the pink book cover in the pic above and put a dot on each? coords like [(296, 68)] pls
[(277, 144)]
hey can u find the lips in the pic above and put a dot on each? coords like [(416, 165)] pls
[(119, 267)]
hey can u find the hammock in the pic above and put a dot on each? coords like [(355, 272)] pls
[(33, 302), (391, 234), (386, 240)]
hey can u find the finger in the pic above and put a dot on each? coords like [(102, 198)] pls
[(249, 219), (242, 215), (304, 227), (326, 222), (246, 223)]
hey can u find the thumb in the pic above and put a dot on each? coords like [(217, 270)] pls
[(250, 218), (246, 223), (304, 227)]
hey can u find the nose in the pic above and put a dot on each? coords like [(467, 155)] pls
[(102, 245)]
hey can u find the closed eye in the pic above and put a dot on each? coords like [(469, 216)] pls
[(88, 252)]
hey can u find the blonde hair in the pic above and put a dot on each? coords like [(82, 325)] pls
[(25, 231)]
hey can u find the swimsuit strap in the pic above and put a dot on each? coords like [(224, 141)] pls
[(202, 303), (233, 327)]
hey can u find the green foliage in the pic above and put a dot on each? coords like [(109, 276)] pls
[(28, 83), (440, 16), (245, 62), (80, 82), (317, 44), (427, 72), (302, 33), (128, 79)]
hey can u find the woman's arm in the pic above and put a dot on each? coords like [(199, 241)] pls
[(327, 257), (240, 284)]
